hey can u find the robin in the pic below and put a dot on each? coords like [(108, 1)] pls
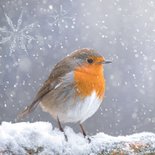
[(74, 90)]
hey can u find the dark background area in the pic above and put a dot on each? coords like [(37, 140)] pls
[(35, 34)]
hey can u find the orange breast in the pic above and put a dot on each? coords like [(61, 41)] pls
[(89, 78)]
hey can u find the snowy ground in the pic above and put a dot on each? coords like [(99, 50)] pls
[(41, 138)]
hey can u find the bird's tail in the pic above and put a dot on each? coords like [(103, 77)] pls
[(28, 109)]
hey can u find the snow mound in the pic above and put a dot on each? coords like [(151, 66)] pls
[(40, 138)]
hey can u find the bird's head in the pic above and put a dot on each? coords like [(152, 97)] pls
[(87, 60)]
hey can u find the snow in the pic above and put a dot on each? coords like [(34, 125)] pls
[(59, 19), (15, 34), (42, 138)]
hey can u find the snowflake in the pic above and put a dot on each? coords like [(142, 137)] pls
[(59, 19), (15, 34)]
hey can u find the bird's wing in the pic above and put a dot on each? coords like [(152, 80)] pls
[(59, 71), (42, 92)]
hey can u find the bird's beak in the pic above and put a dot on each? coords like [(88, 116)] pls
[(105, 62)]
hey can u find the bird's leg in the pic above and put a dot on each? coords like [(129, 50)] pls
[(84, 133), (59, 124), (61, 129)]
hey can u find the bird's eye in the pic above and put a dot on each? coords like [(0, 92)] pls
[(90, 61)]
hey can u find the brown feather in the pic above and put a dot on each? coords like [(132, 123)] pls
[(59, 71)]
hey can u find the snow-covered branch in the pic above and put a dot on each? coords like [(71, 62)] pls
[(40, 138)]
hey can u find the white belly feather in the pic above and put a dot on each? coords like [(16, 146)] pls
[(84, 109), (75, 112)]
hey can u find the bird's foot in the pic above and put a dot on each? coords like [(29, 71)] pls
[(66, 138), (88, 139)]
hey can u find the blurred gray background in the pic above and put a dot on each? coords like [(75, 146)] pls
[(35, 34)]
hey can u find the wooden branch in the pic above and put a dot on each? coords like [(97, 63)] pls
[(40, 138)]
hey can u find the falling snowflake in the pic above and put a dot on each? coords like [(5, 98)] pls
[(59, 19), (15, 34)]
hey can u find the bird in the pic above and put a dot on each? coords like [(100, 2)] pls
[(74, 90)]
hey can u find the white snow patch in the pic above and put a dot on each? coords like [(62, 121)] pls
[(43, 139)]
